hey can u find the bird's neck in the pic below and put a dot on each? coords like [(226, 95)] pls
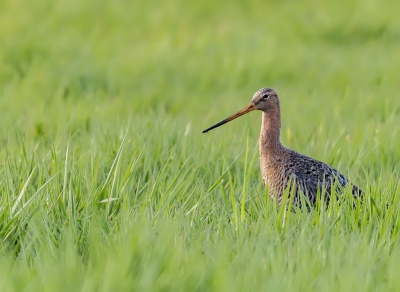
[(270, 132)]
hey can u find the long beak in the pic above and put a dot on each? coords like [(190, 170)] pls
[(250, 107)]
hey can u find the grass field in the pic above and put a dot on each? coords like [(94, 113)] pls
[(107, 183)]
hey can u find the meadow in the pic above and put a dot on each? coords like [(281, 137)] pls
[(108, 184)]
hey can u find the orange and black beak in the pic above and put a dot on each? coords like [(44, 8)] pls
[(250, 107)]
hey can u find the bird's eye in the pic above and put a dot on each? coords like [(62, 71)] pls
[(265, 96)]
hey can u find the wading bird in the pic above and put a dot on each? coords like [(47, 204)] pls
[(284, 169)]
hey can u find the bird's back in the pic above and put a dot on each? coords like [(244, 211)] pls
[(300, 174)]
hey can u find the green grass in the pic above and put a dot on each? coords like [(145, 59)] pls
[(107, 183)]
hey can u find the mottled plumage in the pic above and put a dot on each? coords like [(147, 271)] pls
[(282, 168)]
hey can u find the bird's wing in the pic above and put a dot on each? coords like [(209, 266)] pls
[(312, 177)]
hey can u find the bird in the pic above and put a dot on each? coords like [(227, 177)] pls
[(284, 170)]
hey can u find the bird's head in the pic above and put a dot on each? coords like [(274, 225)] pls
[(265, 100)]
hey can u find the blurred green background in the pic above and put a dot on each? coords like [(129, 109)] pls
[(73, 63), (108, 183)]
